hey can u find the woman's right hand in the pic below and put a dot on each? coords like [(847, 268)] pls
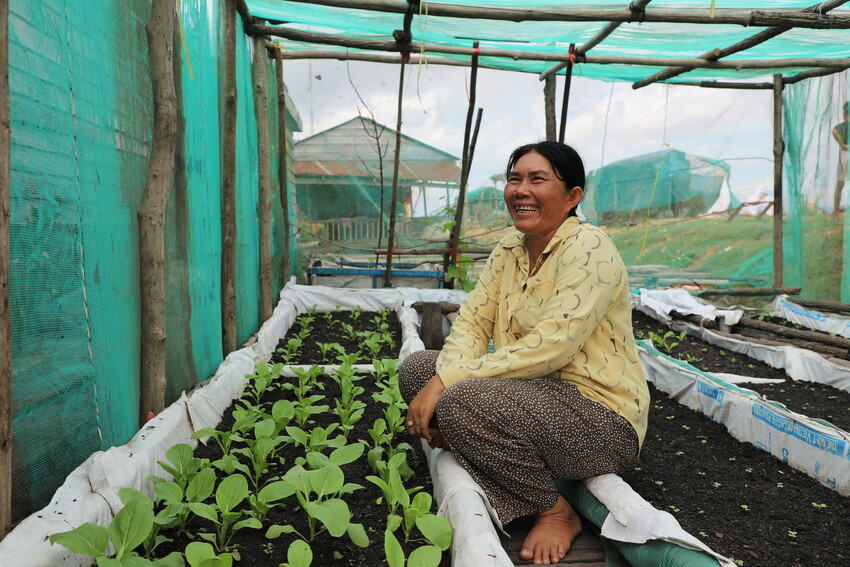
[(421, 411)]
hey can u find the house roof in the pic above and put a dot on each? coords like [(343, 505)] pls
[(351, 149)]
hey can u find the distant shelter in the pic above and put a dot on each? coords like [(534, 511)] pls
[(344, 178)]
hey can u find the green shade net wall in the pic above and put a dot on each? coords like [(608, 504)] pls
[(81, 118)]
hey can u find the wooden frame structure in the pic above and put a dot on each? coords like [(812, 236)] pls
[(776, 22)]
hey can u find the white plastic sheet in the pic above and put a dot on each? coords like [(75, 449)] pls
[(826, 322)]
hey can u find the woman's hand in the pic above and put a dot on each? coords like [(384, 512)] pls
[(421, 410)]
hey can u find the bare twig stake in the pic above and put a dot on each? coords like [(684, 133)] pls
[(565, 103), (388, 278), (454, 235), (261, 117), (228, 184), (160, 33)]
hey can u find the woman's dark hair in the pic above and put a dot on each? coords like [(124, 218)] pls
[(564, 160)]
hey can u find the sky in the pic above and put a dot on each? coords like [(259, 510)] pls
[(607, 121)]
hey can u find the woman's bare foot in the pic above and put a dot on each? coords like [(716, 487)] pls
[(553, 532)]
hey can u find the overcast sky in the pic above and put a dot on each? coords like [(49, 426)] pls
[(606, 121)]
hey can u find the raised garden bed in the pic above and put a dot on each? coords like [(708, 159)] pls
[(809, 398), (745, 503), (330, 473)]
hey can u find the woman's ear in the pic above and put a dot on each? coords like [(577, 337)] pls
[(574, 197)]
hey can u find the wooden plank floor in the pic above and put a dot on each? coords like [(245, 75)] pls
[(586, 550)]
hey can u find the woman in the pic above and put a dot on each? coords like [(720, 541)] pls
[(562, 395)]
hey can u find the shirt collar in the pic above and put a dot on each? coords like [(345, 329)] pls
[(567, 228)]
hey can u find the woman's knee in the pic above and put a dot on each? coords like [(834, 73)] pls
[(414, 371)]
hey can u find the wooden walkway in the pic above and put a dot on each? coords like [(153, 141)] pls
[(586, 550)]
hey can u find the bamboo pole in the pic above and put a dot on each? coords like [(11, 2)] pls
[(549, 106), (261, 117), (778, 150), (373, 45), (747, 43), (388, 278), (720, 16), (454, 234), (801, 76), (228, 183), (371, 57), (283, 174), (5, 315), (151, 214), (634, 7)]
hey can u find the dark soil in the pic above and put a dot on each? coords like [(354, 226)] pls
[(330, 327), (812, 399), (743, 502), (257, 551)]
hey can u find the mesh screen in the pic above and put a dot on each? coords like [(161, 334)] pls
[(81, 114)]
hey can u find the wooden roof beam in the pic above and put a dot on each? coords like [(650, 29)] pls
[(392, 46), (756, 39), (741, 17)]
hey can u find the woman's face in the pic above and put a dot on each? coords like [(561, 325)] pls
[(537, 199)]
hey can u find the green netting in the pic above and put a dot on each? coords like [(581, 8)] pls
[(815, 240), (645, 39), (81, 116)]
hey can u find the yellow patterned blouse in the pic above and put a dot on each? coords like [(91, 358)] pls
[(570, 318)]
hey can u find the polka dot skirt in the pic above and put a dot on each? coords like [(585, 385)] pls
[(515, 436)]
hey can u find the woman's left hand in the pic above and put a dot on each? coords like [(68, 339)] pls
[(421, 409)]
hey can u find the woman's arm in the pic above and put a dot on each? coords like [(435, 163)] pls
[(587, 277)]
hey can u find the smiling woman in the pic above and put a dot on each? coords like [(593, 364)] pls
[(562, 394)]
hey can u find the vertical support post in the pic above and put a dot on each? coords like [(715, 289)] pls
[(396, 163), (281, 161), (778, 151), (5, 315), (151, 214), (549, 106), (228, 183), (565, 103), (261, 117), (454, 235)]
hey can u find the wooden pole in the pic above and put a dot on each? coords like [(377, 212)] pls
[(740, 17), (151, 214), (454, 234), (822, 304), (565, 101), (751, 291), (366, 44), (5, 315), (388, 278), (549, 106), (228, 183), (635, 7), (373, 58), (778, 150), (747, 43), (261, 117), (282, 172)]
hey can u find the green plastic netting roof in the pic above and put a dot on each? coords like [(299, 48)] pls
[(630, 39)]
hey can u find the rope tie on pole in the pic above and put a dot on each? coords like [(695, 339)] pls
[(638, 13)]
